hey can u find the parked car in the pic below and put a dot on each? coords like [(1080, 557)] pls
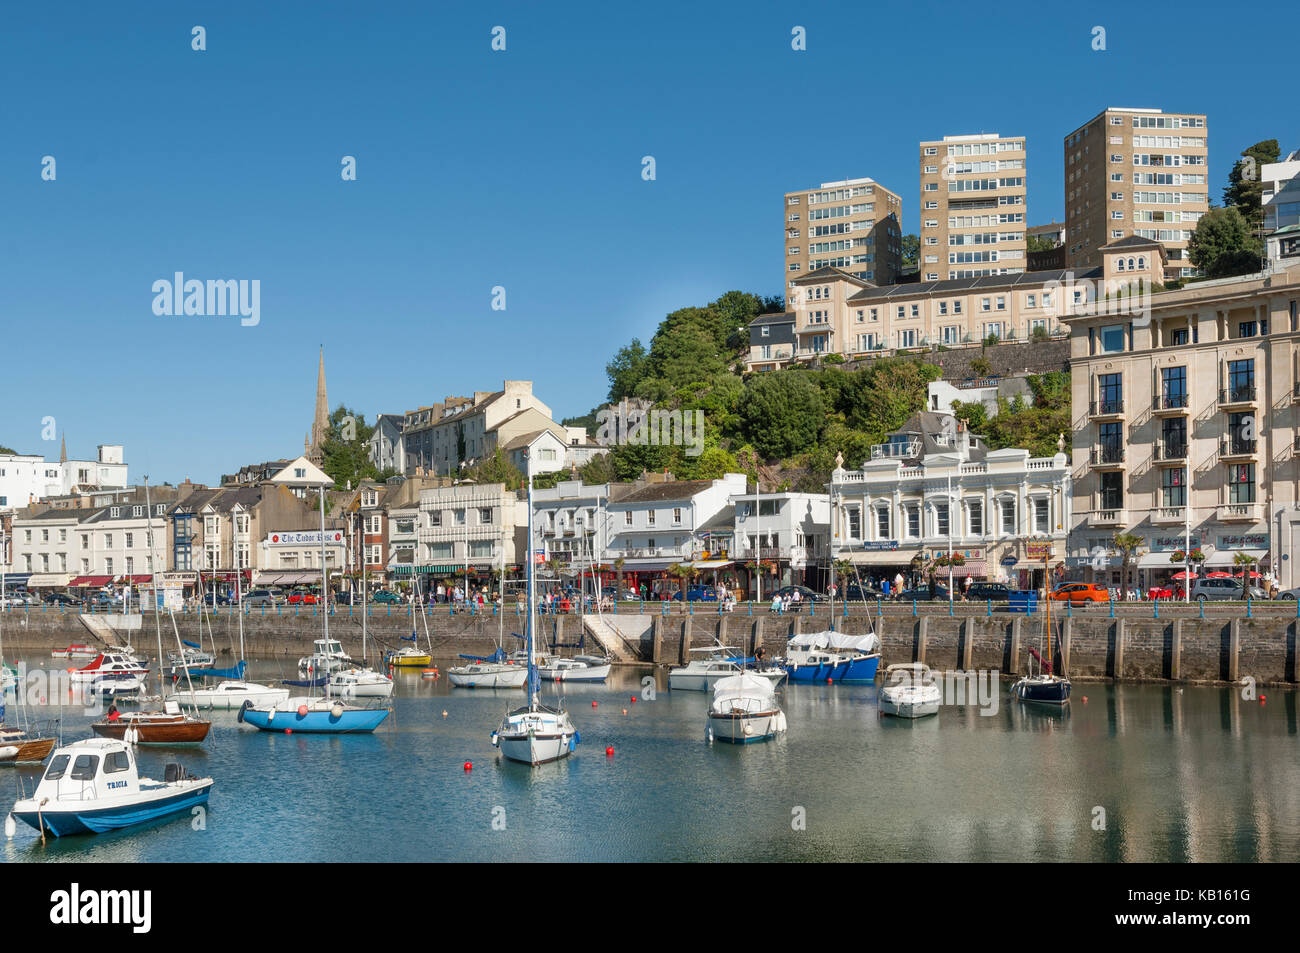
[(1289, 594), (805, 594), (629, 595), (698, 594), (301, 597), (856, 593), (1081, 592), (989, 592), (61, 599), (99, 600), (1223, 590), (384, 596), (263, 597), (222, 599), (16, 600), (922, 593)]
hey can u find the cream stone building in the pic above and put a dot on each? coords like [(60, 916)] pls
[(973, 206), (1186, 420), (852, 225), (1135, 172), (934, 487)]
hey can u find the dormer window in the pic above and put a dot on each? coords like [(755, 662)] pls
[(112, 512)]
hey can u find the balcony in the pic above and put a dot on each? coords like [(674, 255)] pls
[(1107, 457), (1236, 449), (1099, 409), (1169, 452), (1243, 395), (1239, 512), (896, 450), (1169, 516), (1111, 518), (1169, 405)]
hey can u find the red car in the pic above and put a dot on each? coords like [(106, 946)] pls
[(300, 598)]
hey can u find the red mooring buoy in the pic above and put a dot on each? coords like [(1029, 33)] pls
[(609, 752), (469, 766)]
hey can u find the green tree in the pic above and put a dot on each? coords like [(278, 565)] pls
[(1039, 243), (496, 469), (631, 364), (1222, 244), (782, 413), (1244, 563), (8, 450), (911, 252), (345, 449), (1245, 186), (598, 469)]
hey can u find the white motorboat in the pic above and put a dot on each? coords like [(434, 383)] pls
[(488, 675), (910, 691), (191, 659), (117, 685), (94, 786), (359, 683), (703, 673), (582, 668), (231, 695), (75, 652), (107, 665), (744, 710), (329, 657)]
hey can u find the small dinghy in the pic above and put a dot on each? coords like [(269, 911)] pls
[(171, 726), (910, 691), (94, 786)]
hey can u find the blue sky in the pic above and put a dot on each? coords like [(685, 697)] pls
[(477, 169)]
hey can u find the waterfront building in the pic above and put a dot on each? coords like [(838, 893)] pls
[(1187, 417), (660, 523), (852, 225), (973, 206), (474, 525), (112, 544), (934, 487), (1139, 172), (302, 477), (572, 522), (789, 530), (365, 512)]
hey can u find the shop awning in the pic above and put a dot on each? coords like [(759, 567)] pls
[(711, 563), (293, 577), (1158, 561), (443, 570), (971, 568), (136, 580), (56, 580), (1226, 557), (883, 557), (81, 581), (657, 566), (17, 578)]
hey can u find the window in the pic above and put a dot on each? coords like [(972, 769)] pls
[(485, 516), (976, 517), (1112, 490), (1178, 338), (1007, 513), (1241, 380), (854, 522), (1173, 383), (1110, 393), (435, 518), (1172, 490), (1241, 483), (58, 767), (677, 514), (1111, 338), (627, 518), (1241, 433), (108, 540), (84, 768), (130, 540), (116, 762), (650, 517), (913, 520), (941, 519), (458, 516), (882, 523), (480, 548), (1042, 522)]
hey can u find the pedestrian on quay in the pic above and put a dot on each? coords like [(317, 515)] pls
[(898, 585), (776, 604)]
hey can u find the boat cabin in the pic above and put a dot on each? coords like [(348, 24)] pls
[(90, 770)]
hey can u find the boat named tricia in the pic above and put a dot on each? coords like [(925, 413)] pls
[(818, 656), (744, 710), (313, 716), (1042, 688), (94, 786)]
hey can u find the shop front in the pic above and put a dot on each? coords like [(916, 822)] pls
[(878, 564)]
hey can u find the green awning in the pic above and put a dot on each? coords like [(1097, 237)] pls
[(434, 570)]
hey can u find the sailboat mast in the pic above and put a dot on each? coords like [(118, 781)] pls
[(531, 629), (157, 622), (1047, 591)]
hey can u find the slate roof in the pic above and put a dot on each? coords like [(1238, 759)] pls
[(664, 492), (1026, 279)]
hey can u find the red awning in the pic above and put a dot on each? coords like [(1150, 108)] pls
[(90, 581), (136, 580), (226, 576)]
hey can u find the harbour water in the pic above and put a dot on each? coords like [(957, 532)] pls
[(1182, 774)]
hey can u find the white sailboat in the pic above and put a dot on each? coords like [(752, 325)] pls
[(534, 734), (744, 710), (494, 671), (360, 681), (712, 664)]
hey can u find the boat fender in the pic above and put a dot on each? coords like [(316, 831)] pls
[(302, 711), (11, 827), (270, 716), (248, 703), (337, 711)]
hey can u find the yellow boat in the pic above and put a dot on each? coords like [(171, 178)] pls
[(409, 658)]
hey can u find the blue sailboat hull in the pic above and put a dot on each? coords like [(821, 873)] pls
[(61, 824), (316, 722), (862, 669)]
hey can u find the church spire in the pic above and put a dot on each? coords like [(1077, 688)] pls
[(321, 422), (63, 450)]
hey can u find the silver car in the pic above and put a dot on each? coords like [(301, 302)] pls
[(1224, 590)]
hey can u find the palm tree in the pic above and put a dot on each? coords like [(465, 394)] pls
[(618, 567), (1127, 544), (842, 569), (1244, 561)]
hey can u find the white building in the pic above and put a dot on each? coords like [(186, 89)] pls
[(660, 524), (27, 478), (386, 449), (934, 488), (572, 521), (1281, 196), (114, 541), (473, 523), (302, 476), (790, 529)]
